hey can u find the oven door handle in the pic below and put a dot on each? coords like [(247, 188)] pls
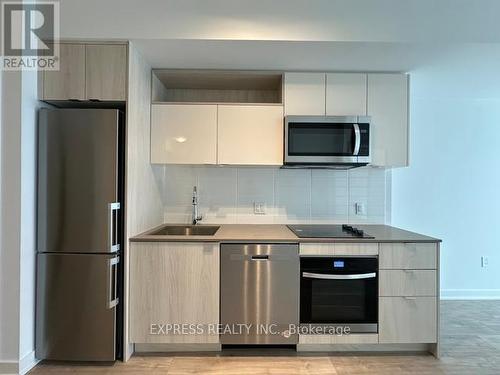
[(323, 276)]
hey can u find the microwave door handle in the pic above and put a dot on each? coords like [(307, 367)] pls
[(357, 139), (323, 276)]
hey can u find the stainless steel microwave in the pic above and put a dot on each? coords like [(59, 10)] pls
[(327, 141)]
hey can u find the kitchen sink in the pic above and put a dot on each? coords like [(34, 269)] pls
[(186, 230)]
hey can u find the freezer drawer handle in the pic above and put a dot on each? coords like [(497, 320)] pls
[(113, 282), (322, 276), (112, 212)]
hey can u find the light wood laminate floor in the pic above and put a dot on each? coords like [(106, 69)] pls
[(470, 334)]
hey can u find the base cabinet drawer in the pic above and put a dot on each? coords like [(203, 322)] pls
[(338, 249), (317, 249), (408, 256), (398, 283), (407, 320)]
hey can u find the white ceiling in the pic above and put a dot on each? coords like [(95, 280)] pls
[(298, 20), (375, 35)]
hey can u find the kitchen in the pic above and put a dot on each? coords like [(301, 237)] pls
[(218, 214)]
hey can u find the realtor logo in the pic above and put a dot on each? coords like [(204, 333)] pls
[(26, 28)]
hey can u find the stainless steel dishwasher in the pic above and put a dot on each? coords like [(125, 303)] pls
[(259, 293)]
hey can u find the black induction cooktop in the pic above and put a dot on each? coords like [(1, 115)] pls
[(328, 231)]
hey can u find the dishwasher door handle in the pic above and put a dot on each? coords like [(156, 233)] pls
[(260, 257), (322, 276)]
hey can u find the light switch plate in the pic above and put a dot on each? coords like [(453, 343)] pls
[(359, 208), (259, 208)]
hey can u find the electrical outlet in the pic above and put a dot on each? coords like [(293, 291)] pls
[(259, 208), (359, 208), (484, 261)]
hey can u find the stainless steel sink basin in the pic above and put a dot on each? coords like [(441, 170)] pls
[(186, 230)]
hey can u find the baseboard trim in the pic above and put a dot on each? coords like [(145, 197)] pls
[(9, 367), (27, 362), (470, 294), (161, 347), (365, 348)]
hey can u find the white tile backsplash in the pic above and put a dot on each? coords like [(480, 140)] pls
[(329, 196), (228, 194), (368, 187), (177, 192), (255, 185), (293, 195), (217, 188)]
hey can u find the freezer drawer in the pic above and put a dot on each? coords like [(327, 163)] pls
[(76, 307), (259, 293)]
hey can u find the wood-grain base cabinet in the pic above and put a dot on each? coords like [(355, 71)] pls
[(409, 294), (407, 320), (174, 283)]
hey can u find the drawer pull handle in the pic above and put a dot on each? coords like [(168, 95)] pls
[(410, 298)]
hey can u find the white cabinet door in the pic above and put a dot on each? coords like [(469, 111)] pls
[(106, 72), (305, 93), (388, 107), (250, 135), (345, 94), (184, 134), (68, 82), (173, 283)]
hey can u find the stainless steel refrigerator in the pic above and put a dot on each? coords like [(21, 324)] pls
[(80, 229)]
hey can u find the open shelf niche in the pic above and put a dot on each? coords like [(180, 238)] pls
[(216, 86)]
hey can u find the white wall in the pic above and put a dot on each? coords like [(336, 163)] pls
[(227, 194), (30, 106), (143, 204), (18, 194), (451, 190), (10, 216)]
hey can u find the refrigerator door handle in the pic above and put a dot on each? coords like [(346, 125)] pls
[(113, 283), (112, 211)]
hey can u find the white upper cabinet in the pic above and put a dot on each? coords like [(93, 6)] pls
[(184, 134), (345, 94), (250, 134), (388, 108), (217, 117), (305, 93)]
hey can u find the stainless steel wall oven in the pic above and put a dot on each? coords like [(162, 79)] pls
[(339, 292)]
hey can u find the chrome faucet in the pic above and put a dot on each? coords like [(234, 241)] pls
[(195, 215)]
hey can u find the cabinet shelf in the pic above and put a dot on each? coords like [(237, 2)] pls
[(220, 103), (214, 86)]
